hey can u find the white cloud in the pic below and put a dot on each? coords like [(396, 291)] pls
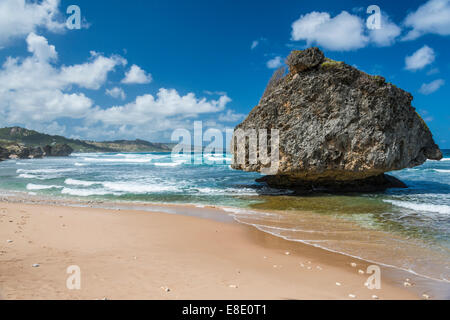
[(231, 116), (37, 93), (433, 72), (33, 89), (432, 17), (387, 34), (168, 103), (258, 42), (342, 33), (93, 74), (274, 63), (116, 92), (40, 48), (214, 93), (137, 75), (420, 59), (18, 18), (429, 88)]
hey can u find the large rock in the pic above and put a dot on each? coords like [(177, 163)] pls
[(58, 150), (337, 124), (4, 154)]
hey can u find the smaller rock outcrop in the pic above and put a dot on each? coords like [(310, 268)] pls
[(300, 61), (4, 154), (58, 150), (19, 151)]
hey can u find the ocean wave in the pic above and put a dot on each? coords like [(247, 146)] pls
[(126, 160), (77, 164), (32, 186), (37, 176), (442, 170), (85, 192), (218, 158), (169, 164), (427, 207), (29, 171), (246, 212), (75, 182), (27, 176), (138, 188), (234, 191), (443, 159)]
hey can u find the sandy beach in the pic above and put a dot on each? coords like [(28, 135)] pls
[(140, 255)]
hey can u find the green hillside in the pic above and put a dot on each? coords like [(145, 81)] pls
[(34, 138)]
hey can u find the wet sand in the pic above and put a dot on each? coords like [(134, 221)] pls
[(129, 254)]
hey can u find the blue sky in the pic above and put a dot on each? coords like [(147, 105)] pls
[(201, 60)]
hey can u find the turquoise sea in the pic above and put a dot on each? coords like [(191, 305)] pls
[(405, 228)]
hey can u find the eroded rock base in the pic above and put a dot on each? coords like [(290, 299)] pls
[(302, 187)]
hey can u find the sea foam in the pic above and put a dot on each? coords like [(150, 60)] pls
[(427, 207), (75, 182), (32, 186)]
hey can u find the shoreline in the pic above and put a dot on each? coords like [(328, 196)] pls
[(199, 210), (249, 247)]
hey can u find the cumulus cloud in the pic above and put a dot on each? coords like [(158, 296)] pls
[(136, 75), (92, 74), (387, 34), (432, 17), (40, 48), (34, 89), (275, 63), (429, 88), (37, 92), (342, 33), (18, 18), (420, 59), (116, 92), (255, 43), (168, 103)]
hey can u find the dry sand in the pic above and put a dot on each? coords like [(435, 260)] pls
[(137, 255)]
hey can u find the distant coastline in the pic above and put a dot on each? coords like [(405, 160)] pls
[(33, 138)]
